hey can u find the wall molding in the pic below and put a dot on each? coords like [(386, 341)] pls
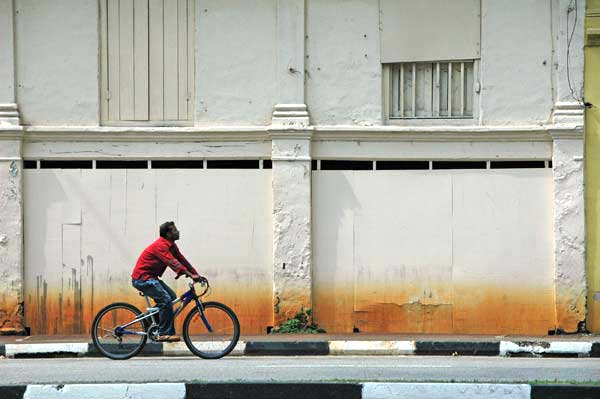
[(9, 115), (143, 134), (12, 133), (523, 133)]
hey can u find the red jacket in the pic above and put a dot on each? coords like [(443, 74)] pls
[(154, 260)]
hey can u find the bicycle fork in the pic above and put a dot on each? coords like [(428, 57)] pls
[(202, 316)]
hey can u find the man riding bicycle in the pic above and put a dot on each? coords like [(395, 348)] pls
[(151, 265)]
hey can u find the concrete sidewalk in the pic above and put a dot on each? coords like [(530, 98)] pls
[(329, 344)]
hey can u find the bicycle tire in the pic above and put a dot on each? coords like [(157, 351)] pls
[(103, 349), (234, 339)]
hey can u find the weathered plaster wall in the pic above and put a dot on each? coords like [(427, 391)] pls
[(235, 62), (145, 150), (567, 21), (7, 75), (241, 48), (11, 239), (343, 82), (57, 61), (236, 77), (433, 150), (516, 62), (569, 233)]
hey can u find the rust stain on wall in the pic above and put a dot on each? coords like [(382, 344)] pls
[(415, 316), (11, 318), (50, 311), (471, 309)]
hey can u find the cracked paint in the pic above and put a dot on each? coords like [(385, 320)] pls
[(292, 250), (569, 252), (11, 307)]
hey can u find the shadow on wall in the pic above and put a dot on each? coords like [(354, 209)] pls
[(331, 274)]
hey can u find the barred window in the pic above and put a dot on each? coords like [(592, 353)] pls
[(441, 89)]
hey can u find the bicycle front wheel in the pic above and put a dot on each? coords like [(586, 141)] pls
[(112, 339), (213, 333)]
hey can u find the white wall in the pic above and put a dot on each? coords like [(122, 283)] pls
[(235, 62), (516, 62), (57, 46), (343, 84), (7, 70), (57, 61)]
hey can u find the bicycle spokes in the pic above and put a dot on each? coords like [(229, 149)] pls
[(213, 332), (115, 333)]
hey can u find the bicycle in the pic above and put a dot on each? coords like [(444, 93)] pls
[(211, 330)]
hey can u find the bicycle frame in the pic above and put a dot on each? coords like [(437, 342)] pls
[(151, 312)]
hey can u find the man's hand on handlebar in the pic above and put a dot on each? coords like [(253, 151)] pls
[(198, 278)]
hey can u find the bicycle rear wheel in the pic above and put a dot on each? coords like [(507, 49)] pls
[(113, 341), (212, 334)]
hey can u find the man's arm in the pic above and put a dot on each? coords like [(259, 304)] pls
[(164, 255), (184, 261)]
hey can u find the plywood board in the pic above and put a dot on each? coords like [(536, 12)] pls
[(72, 270), (433, 251), (449, 29)]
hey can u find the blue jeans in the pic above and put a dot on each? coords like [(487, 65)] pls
[(163, 295)]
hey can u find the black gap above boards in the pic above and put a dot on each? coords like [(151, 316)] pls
[(346, 165), (459, 165), (325, 164), (28, 164), (517, 164), (234, 164), (87, 164), (105, 164), (178, 164), (402, 165)]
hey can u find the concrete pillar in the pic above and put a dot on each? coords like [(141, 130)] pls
[(292, 250), (291, 141), (569, 210), (569, 230), (11, 183), (11, 233)]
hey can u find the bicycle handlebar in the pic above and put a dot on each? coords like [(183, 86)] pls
[(203, 282)]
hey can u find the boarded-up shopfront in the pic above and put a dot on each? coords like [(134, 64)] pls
[(84, 229), (434, 251)]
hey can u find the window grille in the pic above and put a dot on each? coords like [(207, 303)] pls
[(419, 90)]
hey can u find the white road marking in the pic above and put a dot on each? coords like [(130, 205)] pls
[(393, 366)]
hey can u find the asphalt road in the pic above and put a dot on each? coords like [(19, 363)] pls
[(325, 368)]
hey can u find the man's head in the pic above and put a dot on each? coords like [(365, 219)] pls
[(169, 231)]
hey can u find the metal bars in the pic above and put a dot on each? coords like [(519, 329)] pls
[(431, 89)]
